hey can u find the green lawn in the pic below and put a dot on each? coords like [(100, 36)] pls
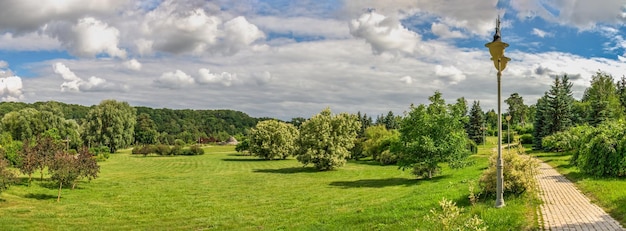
[(222, 190), (608, 193)]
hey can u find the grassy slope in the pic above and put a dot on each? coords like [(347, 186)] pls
[(223, 191), (609, 193)]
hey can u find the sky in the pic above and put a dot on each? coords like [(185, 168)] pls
[(287, 58)]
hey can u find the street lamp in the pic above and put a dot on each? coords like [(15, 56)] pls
[(496, 49), (508, 132)]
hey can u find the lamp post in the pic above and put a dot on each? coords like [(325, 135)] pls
[(496, 49), (508, 132)]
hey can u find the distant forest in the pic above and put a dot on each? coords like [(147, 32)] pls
[(187, 125)]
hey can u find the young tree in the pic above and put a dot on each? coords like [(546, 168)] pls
[(7, 177), (476, 127), (86, 165), (111, 123), (430, 135), (272, 139), (540, 121), (325, 140), (63, 170)]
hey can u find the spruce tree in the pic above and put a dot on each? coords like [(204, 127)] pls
[(603, 99), (540, 121), (475, 129)]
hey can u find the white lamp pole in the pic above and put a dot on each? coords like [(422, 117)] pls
[(496, 49)]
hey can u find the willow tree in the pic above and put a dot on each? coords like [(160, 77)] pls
[(325, 140), (111, 123)]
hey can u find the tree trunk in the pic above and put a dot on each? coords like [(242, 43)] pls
[(73, 185), (59, 196), (430, 174), (30, 178)]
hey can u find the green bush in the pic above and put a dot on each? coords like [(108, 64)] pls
[(193, 151), (179, 142), (162, 150), (519, 173), (451, 217), (528, 129), (602, 150), (176, 150), (526, 139), (505, 137), (387, 158)]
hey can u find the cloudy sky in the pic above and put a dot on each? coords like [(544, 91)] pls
[(287, 58)]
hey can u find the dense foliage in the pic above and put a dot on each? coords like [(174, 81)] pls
[(554, 110), (272, 139), (111, 124), (519, 172), (377, 144), (430, 135), (476, 127), (325, 140)]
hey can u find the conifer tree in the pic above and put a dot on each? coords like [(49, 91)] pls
[(475, 129)]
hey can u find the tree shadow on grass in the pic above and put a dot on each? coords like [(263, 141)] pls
[(381, 183), (288, 170), (40, 196), (246, 159)]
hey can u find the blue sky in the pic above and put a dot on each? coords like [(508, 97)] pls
[(284, 59)]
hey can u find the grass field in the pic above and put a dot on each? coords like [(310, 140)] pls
[(222, 190), (609, 192)]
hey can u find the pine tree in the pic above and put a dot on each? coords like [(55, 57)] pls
[(475, 129), (540, 122), (603, 99)]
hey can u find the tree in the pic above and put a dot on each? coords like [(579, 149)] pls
[(430, 135), (540, 121), (325, 140), (145, 130), (86, 165), (390, 121), (272, 139), (475, 128), (603, 99), (377, 144), (63, 170), (517, 109), (491, 119), (7, 176), (112, 124)]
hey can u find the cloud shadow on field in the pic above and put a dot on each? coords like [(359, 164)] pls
[(40, 196), (381, 183), (291, 170)]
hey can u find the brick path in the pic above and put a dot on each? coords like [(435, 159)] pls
[(566, 208)]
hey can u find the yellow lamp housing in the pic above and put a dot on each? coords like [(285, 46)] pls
[(496, 49)]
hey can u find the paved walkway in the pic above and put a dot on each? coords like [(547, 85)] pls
[(566, 208)]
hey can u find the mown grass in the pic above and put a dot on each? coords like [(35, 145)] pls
[(223, 190), (609, 192)]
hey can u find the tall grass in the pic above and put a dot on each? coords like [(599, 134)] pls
[(223, 190)]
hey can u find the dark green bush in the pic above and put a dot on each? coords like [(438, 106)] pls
[(526, 139), (162, 150), (387, 158), (176, 150), (196, 150)]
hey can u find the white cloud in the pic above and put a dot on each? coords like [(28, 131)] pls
[(263, 77), (315, 27), (32, 41), (90, 37), (407, 79), (11, 89), (384, 34), (541, 33), (443, 31), (132, 64), (3, 64), (27, 16), (583, 15), (174, 80), (73, 83), (206, 77), (449, 73), (179, 28)]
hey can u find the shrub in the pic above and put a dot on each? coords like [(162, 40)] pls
[(196, 150), (179, 142), (451, 217), (162, 150), (528, 129), (101, 153), (526, 139), (176, 151), (505, 136), (387, 158), (519, 173), (144, 149)]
